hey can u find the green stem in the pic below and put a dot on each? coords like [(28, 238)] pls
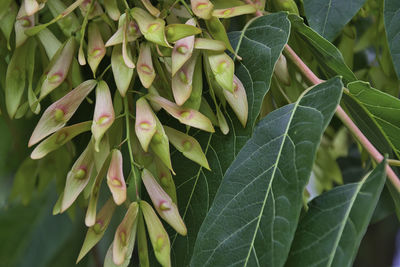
[(342, 115)]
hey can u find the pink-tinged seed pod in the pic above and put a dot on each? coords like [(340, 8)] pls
[(223, 124), (158, 236), (59, 68), (186, 116), (31, 7), (223, 68), (59, 138), (202, 8), (194, 101), (165, 179), (78, 177), (115, 178), (132, 32), (234, 11), (22, 23), (152, 10), (122, 74), (142, 243), (160, 145), (97, 230), (90, 218), (183, 50), (152, 28), (125, 46), (281, 70), (96, 11), (59, 113), (145, 67), (176, 32), (209, 44), (145, 124), (112, 10), (238, 100), (187, 145), (163, 203), (124, 234), (183, 79), (104, 115), (96, 49)]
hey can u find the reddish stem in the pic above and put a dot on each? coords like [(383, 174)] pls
[(305, 70)]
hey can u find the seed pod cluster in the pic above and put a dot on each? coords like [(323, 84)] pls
[(136, 60)]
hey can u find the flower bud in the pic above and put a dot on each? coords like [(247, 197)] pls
[(234, 11), (176, 32), (103, 113), (96, 232), (238, 100), (152, 28), (182, 81), (59, 67), (125, 235), (202, 8), (96, 49), (112, 10), (186, 116), (160, 144), (59, 138), (59, 113), (142, 243), (152, 10), (182, 50), (145, 124), (122, 74), (188, 146), (209, 44), (145, 67), (158, 236), (281, 70), (90, 218), (78, 177), (218, 32), (163, 203), (115, 178), (222, 67), (23, 22)]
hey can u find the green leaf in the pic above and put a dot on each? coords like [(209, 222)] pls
[(328, 17), (260, 46), (386, 111), (253, 219), (328, 56), (391, 14), (330, 232)]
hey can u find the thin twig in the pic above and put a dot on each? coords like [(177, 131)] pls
[(346, 120)]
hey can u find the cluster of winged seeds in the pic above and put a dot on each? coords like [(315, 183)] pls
[(168, 45)]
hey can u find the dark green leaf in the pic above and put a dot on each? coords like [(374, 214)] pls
[(328, 17), (330, 232), (260, 46), (327, 55), (386, 111), (253, 219), (392, 25)]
